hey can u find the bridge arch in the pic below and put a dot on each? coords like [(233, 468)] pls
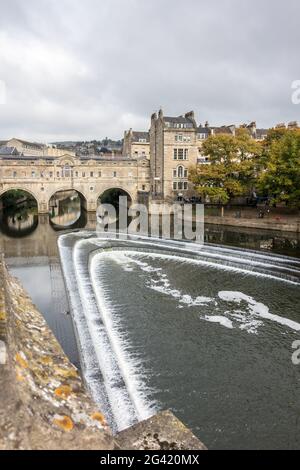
[(67, 208), (20, 188), (18, 216), (120, 189), (65, 189)]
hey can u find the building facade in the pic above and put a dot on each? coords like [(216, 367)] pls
[(173, 150), (34, 149), (136, 144)]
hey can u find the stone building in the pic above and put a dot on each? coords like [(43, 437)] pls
[(173, 149), (136, 144), (35, 149)]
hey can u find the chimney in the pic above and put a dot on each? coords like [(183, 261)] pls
[(191, 117)]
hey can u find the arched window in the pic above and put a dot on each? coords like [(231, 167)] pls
[(180, 171), (67, 171)]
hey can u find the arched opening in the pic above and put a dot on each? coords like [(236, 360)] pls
[(112, 196), (67, 209), (18, 213)]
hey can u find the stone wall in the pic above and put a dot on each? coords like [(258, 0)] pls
[(43, 403)]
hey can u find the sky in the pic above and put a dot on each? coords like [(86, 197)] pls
[(81, 70)]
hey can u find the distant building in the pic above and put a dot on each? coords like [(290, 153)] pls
[(136, 144), (256, 134), (34, 149), (4, 150)]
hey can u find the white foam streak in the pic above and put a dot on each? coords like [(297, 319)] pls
[(129, 367), (257, 309)]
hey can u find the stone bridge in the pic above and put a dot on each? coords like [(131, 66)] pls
[(90, 176)]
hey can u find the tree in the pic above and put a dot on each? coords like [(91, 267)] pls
[(280, 176), (232, 168)]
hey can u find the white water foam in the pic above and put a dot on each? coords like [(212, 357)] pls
[(224, 321), (120, 402), (257, 309), (129, 366), (248, 321)]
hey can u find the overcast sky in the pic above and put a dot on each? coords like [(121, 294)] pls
[(78, 69)]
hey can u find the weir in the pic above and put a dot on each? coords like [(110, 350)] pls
[(93, 265)]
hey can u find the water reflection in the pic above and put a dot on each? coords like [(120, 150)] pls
[(67, 210), (18, 214), (285, 243)]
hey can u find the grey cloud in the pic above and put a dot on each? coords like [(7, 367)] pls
[(88, 69)]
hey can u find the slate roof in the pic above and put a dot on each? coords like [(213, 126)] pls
[(8, 151), (203, 130), (260, 133), (31, 144), (137, 135)]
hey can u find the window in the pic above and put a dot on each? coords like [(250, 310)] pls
[(83, 174), (180, 185), (143, 140), (201, 136), (180, 172), (174, 173), (76, 174), (92, 174), (143, 187), (181, 154), (99, 174), (33, 174), (14, 174), (185, 173), (174, 186), (57, 174), (67, 171), (182, 138), (114, 174), (185, 185), (51, 174)]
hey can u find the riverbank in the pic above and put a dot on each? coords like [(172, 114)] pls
[(291, 224)]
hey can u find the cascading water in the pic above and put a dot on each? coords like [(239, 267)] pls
[(205, 331)]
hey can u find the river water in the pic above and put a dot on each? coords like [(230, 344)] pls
[(207, 334)]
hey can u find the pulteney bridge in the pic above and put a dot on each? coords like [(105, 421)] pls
[(90, 176)]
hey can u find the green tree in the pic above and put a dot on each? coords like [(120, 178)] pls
[(232, 169), (280, 176)]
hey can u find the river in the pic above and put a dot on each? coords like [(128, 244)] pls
[(208, 335)]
